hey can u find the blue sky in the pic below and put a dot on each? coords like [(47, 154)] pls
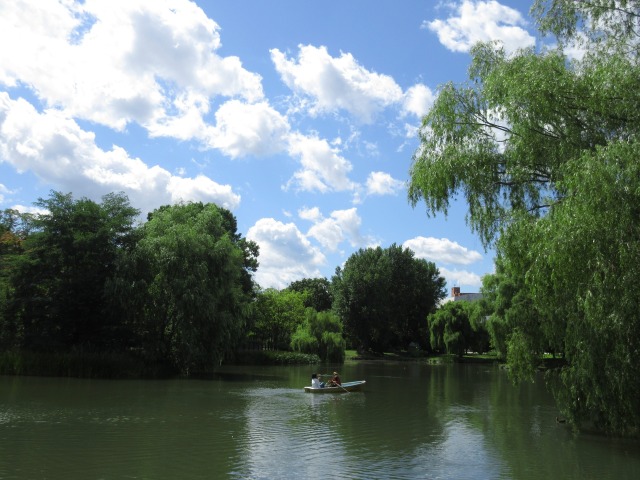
[(299, 117)]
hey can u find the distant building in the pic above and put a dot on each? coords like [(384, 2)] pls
[(458, 296)]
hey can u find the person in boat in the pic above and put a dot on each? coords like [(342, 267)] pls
[(315, 381), (335, 380)]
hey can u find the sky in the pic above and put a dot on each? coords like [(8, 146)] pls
[(299, 117)]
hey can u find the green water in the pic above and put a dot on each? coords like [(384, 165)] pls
[(412, 421)]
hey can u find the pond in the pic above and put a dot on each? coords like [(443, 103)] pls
[(412, 421)]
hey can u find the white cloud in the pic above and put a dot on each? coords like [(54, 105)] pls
[(285, 254), (418, 99), (323, 168), (334, 84), (312, 214), (442, 250), (461, 277), (480, 21), (350, 222), (329, 233), (59, 152), (381, 183), (33, 210), (3, 191), (340, 226), (121, 61), (242, 129), (203, 189)]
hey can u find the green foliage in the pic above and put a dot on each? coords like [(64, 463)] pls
[(520, 357), (58, 282), (480, 339), (81, 278), (333, 345), (321, 333), (303, 341), (590, 243), (189, 302), (383, 297), (77, 363), (545, 153), (456, 328), (277, 315), (14, 229), (318, 292), (275, 357), (599, 26)]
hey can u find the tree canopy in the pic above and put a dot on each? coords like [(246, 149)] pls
[(191, 270), (318, 292), (58, 298), (277, 315), (383, 296), (176, 291), (458, 327), (544, 150)]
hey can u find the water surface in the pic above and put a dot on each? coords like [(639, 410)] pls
[(413, 421)]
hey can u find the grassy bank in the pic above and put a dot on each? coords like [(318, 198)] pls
[(352, 355)]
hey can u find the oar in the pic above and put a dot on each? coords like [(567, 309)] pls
[(325, 375), (344, 389)]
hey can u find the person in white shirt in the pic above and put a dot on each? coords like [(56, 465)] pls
[(315, 381)]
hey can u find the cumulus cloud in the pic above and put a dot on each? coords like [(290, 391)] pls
[(285, 254), (417, 100), (248, 129), (479, 21), (381, 183), (442, 250), (153, 63), (460, 277), (30, 209), (311, 214), (59, 152), (323, 168), (3, 191), (336, 83), (331, 232)]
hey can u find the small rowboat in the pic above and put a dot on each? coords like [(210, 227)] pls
[(356, 386)]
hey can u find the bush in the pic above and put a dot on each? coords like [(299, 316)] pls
[(274, 357), (77, 364)]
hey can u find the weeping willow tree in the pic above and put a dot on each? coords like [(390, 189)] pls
[(545, 152), (186, 288)]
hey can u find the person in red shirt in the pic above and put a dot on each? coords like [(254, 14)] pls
[(335, 380)]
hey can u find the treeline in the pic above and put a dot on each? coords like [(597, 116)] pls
[(545, 150), (176, 293)]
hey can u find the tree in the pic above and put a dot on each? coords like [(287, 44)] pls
[(58, 283), (278, 313), (585, 281), (508, 302), (318, 291), (187, 286), (544, 152), (383, 297), (14, 229), (600, 26), (454, 327), (320, 333)]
